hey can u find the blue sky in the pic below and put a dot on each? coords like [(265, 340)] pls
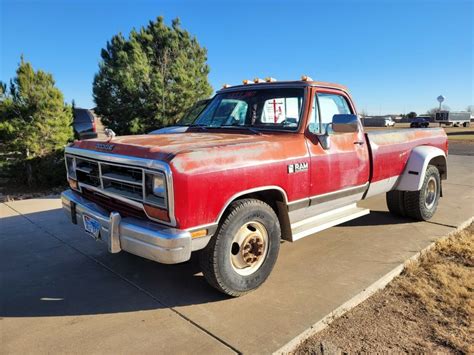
[(395, 56)]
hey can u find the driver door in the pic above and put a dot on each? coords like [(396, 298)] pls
[(339, 174)]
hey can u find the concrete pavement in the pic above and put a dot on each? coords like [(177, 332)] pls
[(62, 292)]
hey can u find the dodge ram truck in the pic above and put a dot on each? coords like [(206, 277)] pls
[(263, 162)]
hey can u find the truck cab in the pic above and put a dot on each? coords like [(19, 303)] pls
[(263, 162)]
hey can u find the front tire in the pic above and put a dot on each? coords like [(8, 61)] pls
[(422, 205), (242, 253)]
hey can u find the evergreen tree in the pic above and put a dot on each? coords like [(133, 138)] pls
[(148, 80), (34, 121)]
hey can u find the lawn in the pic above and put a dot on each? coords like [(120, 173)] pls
[(429, 308)]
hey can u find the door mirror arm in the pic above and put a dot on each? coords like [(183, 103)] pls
[(325, 139)]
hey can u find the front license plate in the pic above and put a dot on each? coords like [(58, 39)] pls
[(92, 226)]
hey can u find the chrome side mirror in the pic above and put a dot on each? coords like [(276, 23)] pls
[(345, 123)]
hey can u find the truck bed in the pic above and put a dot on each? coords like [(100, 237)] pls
[(390, 149)]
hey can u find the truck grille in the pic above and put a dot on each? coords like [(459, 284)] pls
[(111, 204), (120, 180)]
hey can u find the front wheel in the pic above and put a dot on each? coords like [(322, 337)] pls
[(242, 253)]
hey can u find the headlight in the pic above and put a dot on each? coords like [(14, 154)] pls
[(71, 167), (159, 185), (156, 191)]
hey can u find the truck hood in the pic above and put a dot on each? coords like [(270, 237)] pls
[(191, 150)]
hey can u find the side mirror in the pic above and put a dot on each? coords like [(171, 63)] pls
[(345, 123)]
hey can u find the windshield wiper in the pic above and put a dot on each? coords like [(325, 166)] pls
[(203, 127), (253, 130)]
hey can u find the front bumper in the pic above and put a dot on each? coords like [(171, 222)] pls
[(143, 238)]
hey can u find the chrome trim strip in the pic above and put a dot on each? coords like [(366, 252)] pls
[(309, 201), (256, 189), (120, 159), (298, 204), (353, 190), (134, 161)]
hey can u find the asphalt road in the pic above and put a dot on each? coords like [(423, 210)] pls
[(461, 148), (62, 292)]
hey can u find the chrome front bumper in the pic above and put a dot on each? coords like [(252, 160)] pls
[(143, 238)]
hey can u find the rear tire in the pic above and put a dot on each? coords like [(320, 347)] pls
[(422, 205), (242, 253), (396, 202)]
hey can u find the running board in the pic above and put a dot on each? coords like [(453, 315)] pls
[(326, 220)]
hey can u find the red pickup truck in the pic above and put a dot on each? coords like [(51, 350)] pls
[(264, 162)]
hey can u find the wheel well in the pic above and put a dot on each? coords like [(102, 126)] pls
[(440, 163), (277, 201)]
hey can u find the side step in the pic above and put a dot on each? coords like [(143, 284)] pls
[(326, 220)]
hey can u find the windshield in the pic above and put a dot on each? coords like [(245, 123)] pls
[(261, 109), (192, 113)]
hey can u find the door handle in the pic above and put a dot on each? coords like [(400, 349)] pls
[(359, 142)]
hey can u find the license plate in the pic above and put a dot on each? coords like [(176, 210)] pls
[(92, 226)]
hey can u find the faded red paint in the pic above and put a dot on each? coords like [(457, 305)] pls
[(210, 167)]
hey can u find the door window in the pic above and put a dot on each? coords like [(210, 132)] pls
[(330, 105)]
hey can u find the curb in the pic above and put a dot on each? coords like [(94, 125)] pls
[(362, 296)]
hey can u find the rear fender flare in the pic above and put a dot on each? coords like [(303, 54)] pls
[(415, 170)]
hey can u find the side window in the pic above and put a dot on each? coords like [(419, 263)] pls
[(330, 105)]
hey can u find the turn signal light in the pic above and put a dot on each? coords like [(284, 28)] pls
[(157, 213), (199, 233), (73, 184), (306, 78)]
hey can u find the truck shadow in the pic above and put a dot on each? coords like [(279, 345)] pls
[(377, 218), (51, 268)]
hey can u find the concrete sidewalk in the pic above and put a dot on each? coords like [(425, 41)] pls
[(62, 292)]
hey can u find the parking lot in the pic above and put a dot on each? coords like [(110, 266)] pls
[(62, 292)]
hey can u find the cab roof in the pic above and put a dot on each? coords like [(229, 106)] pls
[(289, 83)]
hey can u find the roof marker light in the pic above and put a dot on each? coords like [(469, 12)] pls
[(225, 86), (246, 81), (258, 80), (306, 78), (270, 79)]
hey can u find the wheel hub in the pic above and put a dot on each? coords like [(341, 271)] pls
[(249, 248), (252, 249), (430, 193)]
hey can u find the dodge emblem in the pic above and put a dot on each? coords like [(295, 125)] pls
[(105, 146)]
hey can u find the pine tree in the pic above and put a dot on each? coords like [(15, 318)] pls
[(148, 80), (34, 120)]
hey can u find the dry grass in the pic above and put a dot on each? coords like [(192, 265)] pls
[(442, 283), (427, 309)]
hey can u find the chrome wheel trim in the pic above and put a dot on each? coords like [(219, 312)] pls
[(431, 191), (249, 248)]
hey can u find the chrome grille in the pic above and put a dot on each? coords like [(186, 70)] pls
[(117, 180)]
